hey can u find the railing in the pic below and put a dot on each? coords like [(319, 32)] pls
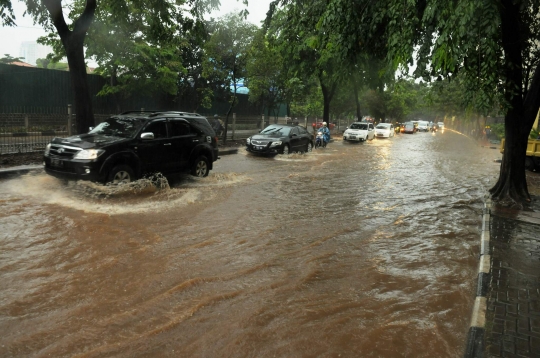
[(24, 130)]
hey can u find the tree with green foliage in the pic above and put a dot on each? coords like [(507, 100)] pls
[(157, 16), (7, 59), (492, 44), (226, 56), (266, 74), (307, 51)]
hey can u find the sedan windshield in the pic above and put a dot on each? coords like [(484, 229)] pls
[(278, 130), (383, 126), (359, 126), (119, 127)]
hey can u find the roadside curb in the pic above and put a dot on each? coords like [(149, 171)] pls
[(23, 169), (475, 338), (227, 151)]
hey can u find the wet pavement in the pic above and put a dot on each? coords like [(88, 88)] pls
[(513, 299), (355, 250)]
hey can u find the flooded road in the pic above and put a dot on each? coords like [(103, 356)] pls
[(354, 250)]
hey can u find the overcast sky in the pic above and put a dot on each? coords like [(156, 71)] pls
[(12, 37)]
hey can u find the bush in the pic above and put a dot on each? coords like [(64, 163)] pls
[(498, 130)]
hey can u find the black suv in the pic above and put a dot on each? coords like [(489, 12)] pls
[(126, 146)]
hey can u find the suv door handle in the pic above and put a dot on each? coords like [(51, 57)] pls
[(167, 144)]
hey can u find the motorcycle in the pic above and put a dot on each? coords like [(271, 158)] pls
[(319, 140)]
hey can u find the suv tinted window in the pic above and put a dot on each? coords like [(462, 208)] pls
[(179, 128), (159, 128), (294, 131), (302, 130)]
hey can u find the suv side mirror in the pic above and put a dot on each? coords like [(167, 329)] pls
[(147, 136)]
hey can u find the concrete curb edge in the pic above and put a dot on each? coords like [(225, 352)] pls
[(475, 337)]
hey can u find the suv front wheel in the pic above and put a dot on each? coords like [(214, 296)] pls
[(201, 167), (121, 174)]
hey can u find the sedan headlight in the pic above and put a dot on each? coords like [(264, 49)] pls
[(276, 144), (47, 149), (89, 154), (248, 141)]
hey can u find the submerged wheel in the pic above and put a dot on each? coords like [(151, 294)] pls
[(309, 147), (121, 174), (201, 167), (285, 150)]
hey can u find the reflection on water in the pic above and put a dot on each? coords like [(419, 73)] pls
[(362, 250)]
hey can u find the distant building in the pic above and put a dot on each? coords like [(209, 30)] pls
[(30, 51)]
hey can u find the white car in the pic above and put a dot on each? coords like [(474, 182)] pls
[(384, 130), (359, 131), (423, 126), (441, 125)]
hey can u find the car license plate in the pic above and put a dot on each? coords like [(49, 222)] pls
[(258, 147), (353, 137), (56, 163)]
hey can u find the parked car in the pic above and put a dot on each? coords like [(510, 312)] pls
[(359, 131), (126, 146), (280, 139), (384, 130), (409, 128)]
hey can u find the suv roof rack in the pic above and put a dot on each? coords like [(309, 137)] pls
[(145, 111), (154, 113)]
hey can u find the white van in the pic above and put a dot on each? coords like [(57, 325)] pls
[(423, 126)]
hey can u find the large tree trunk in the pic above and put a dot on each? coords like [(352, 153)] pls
[(73, 42), (512, 184), (357, 100), (328, 94)]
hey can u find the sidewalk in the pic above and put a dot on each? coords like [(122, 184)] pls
[(506, 314)]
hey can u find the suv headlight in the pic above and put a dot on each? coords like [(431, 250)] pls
[(89, 154), (47, 149), (276, 144), (248, 141)]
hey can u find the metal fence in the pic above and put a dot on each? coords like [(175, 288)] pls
[(29, 129)]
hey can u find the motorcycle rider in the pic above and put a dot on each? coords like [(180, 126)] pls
[(325, 132)]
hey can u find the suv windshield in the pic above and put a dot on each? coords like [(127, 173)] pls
[(125, 127), (280, 130), (359, 126)]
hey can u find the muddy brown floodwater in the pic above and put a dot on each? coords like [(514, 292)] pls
[(354, 250)]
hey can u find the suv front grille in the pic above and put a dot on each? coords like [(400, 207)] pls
[(63, 151)]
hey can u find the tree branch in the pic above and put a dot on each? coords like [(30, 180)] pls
[(84, 21), (55, 10)]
